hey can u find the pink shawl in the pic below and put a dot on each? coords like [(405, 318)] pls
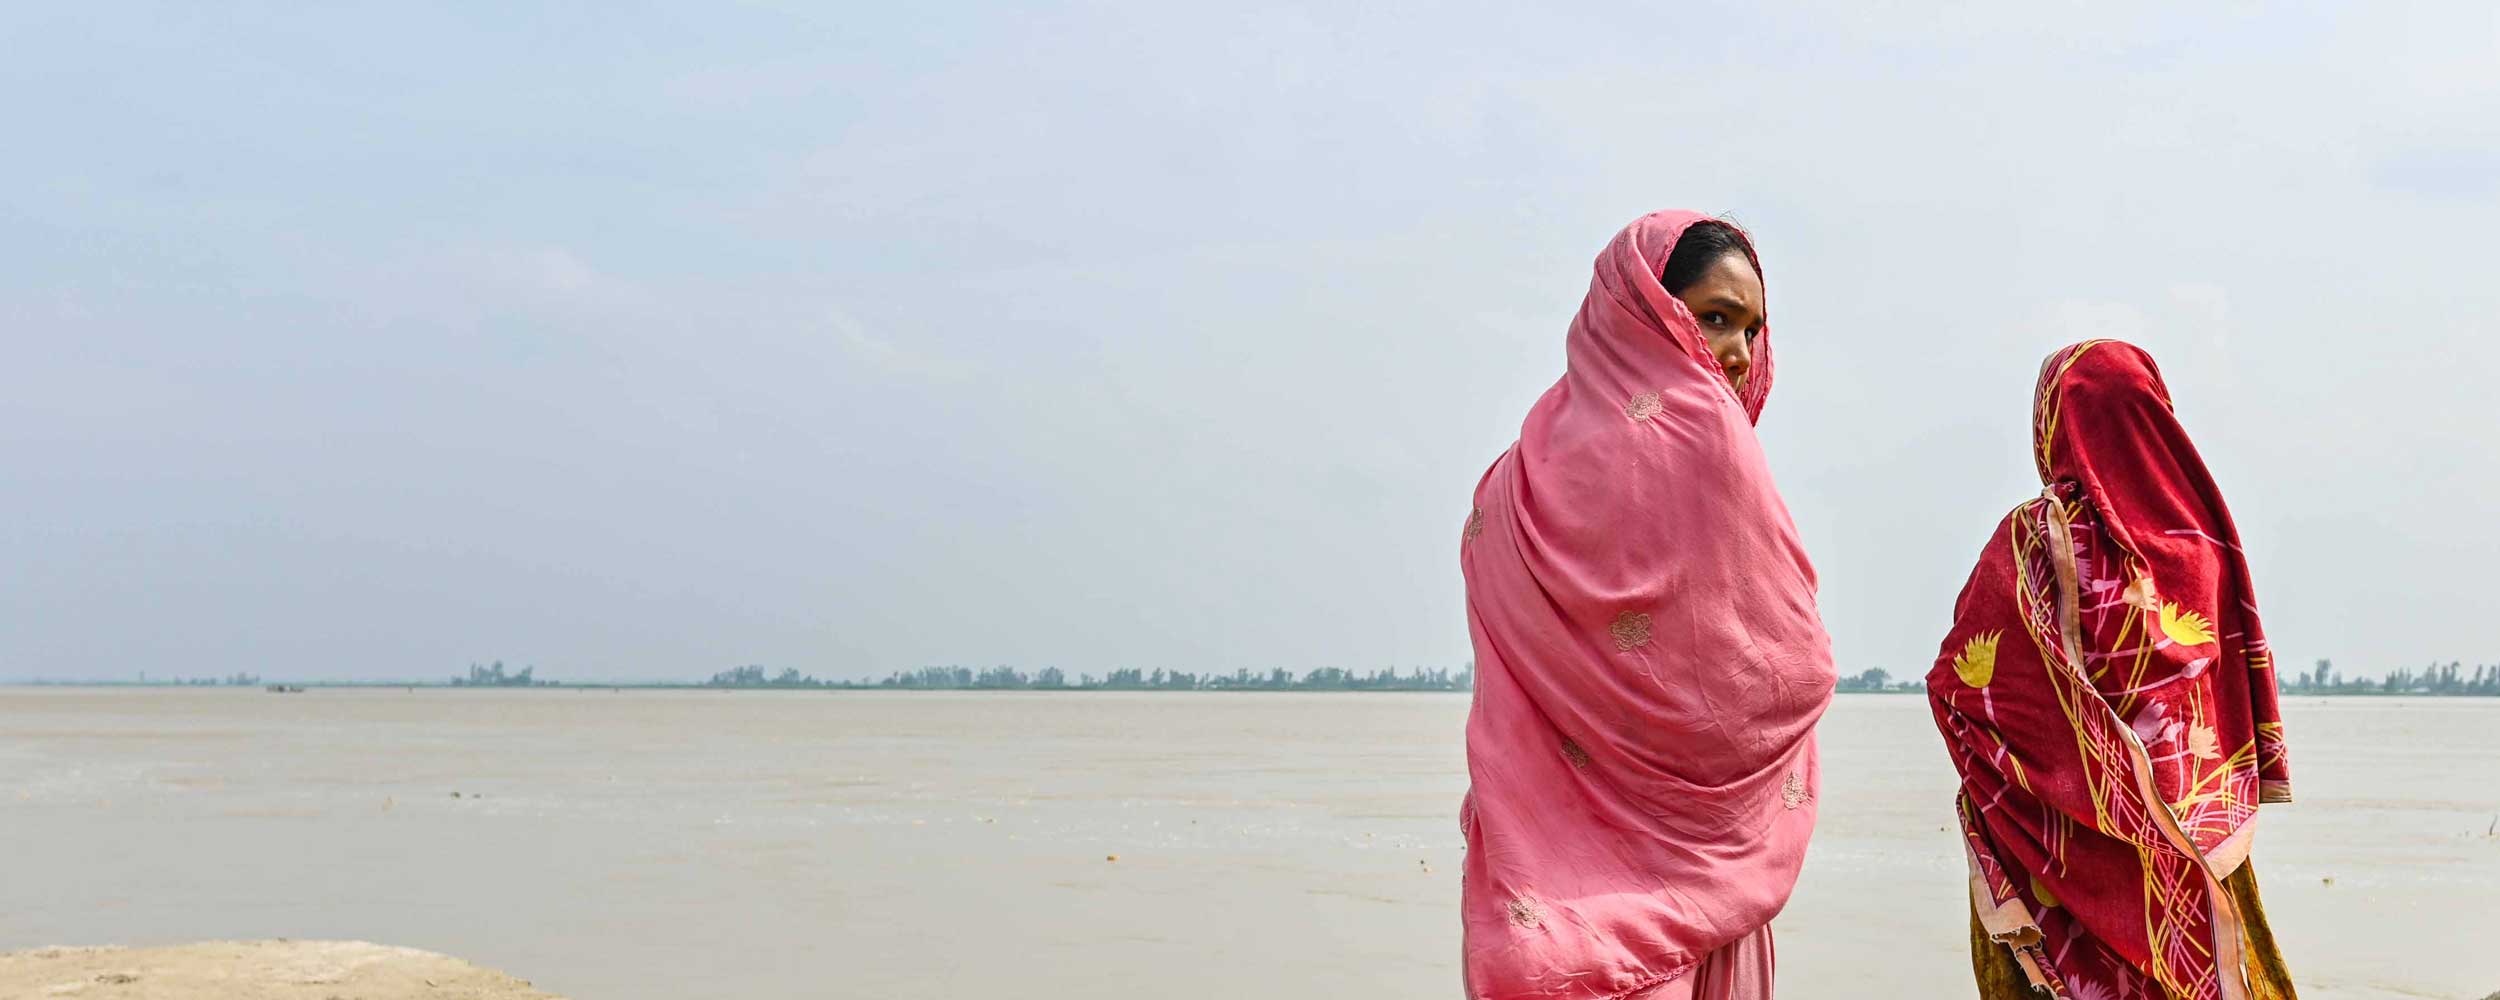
[(1649, 662)]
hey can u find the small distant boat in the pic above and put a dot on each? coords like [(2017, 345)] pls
[(286, 689)]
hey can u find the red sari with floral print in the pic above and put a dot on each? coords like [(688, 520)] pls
[(2109, 699)]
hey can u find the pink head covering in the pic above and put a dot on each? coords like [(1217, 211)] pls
[(1649, 662)]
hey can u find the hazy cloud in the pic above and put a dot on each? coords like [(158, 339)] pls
[(641, 344)]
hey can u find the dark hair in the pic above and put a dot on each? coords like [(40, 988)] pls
[(1700, 249)]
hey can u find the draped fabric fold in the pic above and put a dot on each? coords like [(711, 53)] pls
[(2108, 698), (1649, 661)]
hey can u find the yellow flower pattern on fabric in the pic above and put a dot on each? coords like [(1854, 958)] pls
[(2187, 628), (1977, 664)]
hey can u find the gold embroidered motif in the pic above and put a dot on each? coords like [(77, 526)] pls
[(1631, 631), (1526, 913), (1793, 791), (1475, 523), (1977, 663), (1579, 758), (2187, 628), (1644, 406)]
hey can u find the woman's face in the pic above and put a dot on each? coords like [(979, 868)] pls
[(1727, 299)]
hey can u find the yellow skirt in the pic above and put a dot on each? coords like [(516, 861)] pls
[(2000, 978)]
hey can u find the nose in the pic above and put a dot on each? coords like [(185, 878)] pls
[(1736, 358)]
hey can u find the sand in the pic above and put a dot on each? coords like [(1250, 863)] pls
[(255, 970)]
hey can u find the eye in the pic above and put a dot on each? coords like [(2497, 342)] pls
[(1751, 334), (1714, 318)]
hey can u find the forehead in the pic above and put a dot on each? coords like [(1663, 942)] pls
[(1733, 277)]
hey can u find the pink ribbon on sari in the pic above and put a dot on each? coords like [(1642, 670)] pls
[(1649, 661)]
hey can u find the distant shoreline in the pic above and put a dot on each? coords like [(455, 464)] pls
[(849, 686), (828, 686), (2435, 681)]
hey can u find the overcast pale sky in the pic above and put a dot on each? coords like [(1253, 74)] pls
[(644, 343)]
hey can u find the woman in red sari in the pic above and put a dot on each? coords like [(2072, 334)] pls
[(2109, 699)]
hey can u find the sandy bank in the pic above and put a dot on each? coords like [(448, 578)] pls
[(254, 970)]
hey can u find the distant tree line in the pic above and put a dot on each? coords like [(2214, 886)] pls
[(1139, 679), (953, 678), (493, 676), (1878, 680), (230, 680), (2450, 679), (752, 676)]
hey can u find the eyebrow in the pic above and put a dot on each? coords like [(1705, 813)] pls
[(1726, 302)]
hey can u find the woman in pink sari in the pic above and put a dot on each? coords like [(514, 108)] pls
[(1649, 662)]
